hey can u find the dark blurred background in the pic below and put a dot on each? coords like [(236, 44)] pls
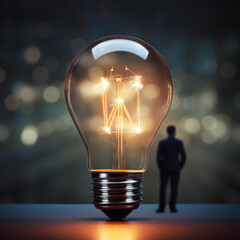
[(42, 158)]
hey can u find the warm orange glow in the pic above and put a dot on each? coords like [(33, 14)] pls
[(117, 170), (89, 226), (119, 231)]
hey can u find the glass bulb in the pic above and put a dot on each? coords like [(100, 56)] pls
[(118, 90)]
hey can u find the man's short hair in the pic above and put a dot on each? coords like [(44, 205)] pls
[(171, 130)]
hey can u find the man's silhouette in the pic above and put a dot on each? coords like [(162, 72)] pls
[(170, 165)]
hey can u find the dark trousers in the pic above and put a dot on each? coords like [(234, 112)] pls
[(174, 178)]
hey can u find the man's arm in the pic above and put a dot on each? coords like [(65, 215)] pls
[(183, 155), (159, 155)]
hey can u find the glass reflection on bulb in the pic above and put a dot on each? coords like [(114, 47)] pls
[(125, 84)]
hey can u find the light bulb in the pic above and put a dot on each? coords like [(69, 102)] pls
[(118, 90)]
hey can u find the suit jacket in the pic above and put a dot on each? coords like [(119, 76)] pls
[(168, 153)]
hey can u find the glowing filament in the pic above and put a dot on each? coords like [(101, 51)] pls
[(107, 130), (138, 130), (105, 83), (119, 100), (137, 84), (118, 111), (112, 116), (119, 108)]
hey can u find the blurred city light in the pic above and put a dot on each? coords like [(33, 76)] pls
[(221, 130), (208, 99), (12, 102), (208, 138), (29, 135), (192, 125), (28, 94), (51, 94), (210, 123), (32, 55), (151, 91)]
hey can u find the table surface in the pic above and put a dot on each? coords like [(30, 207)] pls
[(83, 221)]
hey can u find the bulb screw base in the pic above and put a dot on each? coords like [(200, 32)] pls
[(116, 193)]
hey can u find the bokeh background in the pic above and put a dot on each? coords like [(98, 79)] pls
[(42, 158)]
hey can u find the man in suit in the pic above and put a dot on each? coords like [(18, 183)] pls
[(170, 165)]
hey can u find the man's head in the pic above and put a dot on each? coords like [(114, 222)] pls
[(171, 130)]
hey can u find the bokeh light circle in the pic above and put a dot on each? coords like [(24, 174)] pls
[(29, 135)]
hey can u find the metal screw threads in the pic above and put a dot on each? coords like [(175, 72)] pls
[(117, 193)]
